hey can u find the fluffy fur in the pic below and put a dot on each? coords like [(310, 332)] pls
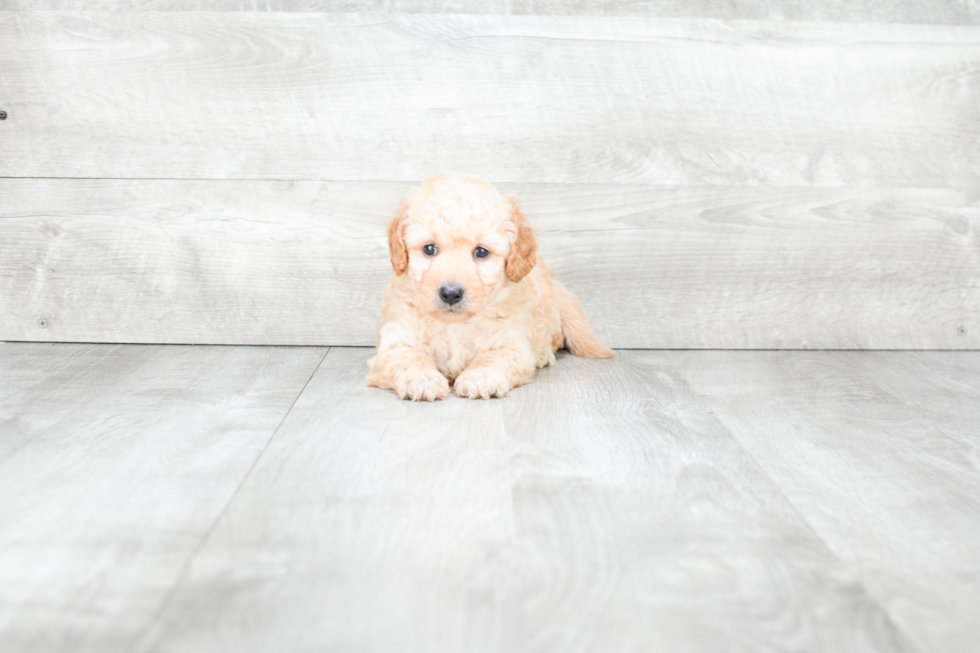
[(458, 233)]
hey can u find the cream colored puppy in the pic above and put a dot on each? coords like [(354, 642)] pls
[(470, 303)]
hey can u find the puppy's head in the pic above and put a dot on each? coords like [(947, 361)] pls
[(460, 242)]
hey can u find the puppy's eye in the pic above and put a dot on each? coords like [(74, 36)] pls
[(430, 250), (479, 252)]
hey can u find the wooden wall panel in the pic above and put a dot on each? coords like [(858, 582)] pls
[(703, 174), (562, 99), (249, 262), (192, 262), (957, 12)]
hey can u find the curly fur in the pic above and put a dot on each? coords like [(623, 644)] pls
[(512, 316)]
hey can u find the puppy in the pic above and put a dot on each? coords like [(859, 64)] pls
[(470, 305)]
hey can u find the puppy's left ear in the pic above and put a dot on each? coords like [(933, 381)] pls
[(396, 239), (523, 251)]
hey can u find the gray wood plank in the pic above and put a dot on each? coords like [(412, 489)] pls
[(893, 496), (124, 458), (358, 530), (943, 388), (873, 11), (194, 262), (253, 262), (520, 98), (642, 525), (599, 508), (39, 384)]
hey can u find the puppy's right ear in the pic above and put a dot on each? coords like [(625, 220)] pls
[(396, 239)]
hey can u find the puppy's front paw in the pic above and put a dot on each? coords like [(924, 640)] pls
[(480, 384), (423, 385)]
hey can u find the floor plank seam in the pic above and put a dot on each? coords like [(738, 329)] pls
[(140, 641), (870, 380), (872, 598)]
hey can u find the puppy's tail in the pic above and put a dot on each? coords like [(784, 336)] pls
[(579, 336)]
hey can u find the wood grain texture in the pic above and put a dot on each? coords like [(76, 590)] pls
[(893, 495), (956, 12), (677, 501), (642, 525), (600, 508), (372, 518), (306, 262), (519, 98), (205, 262), (942, 387), (114, 463)]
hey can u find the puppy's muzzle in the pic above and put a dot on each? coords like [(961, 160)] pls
[(451, 294)]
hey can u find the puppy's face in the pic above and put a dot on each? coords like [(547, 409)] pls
[(460, 242)]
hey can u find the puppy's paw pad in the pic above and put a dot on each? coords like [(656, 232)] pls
[(473, 384), (426, 385)]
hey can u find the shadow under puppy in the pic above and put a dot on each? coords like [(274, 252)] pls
[(470, 304)]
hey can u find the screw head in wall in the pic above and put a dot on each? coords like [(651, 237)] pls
[(961, 331), (42, 323), (3, 114)]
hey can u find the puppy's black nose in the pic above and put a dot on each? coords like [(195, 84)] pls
[(450, 294)]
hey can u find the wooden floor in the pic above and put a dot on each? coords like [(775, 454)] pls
[(180, 498)]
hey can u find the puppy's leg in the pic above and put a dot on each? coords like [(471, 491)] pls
[(495, 372), (409, 372)]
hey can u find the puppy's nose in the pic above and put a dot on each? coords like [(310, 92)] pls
[(451, 294)]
